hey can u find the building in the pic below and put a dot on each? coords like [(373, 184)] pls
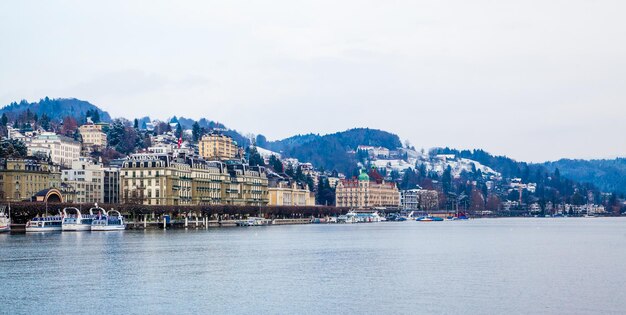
[(93, 135), (22, 179), (84, 178), (90, 182), (363, 193), (155, 179), (216, 146), (246, 185), (62, 150), (180, 179), (419, 199), (375, 152), (289, 194), (111, 185)]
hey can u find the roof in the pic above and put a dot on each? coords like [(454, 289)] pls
[(364, 177)]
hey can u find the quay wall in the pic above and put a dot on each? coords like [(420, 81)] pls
[(21, 212)]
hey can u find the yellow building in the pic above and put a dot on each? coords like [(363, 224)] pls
[(216, 146), (93, 135), (247, 185), (155, 179), (363, 193), (21, 179), (165, 179), (286, 194)]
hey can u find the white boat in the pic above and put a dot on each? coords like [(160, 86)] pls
[(44, 224), (350, 217), (111, 220), (73, 220), (5, 222), (253, 221)]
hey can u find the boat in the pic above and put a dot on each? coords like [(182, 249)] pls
[(73, 220), (5, 221), (111, 220), (429, 219), (253, 221), (349, 217), (45, 224)]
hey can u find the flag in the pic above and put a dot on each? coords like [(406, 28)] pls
[(180, 141)]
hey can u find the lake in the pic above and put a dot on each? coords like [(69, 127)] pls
[(482, 266)]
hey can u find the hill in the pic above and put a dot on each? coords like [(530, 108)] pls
[(55, 109), (331, 151), (506, 166), (608, 175)]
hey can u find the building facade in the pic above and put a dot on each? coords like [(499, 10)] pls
[(289, 194), (93, 135), (216, 146), (85, 179), (363, 193), (111, 185), (419, 199), (22, 179), (168, 179), (62, 150)]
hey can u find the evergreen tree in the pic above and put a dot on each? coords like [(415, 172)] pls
[(446, 180), (276, 164), (254, 158), (44, 122), (195, 132), (136, 124), (96, 116), (4, 120), (179, 131)]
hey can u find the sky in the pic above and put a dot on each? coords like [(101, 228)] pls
[(533, 80)]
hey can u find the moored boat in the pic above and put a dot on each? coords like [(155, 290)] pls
[(73, 220), (253, 221), (429, 219), (45, 224), (5, 222), (111, 220)]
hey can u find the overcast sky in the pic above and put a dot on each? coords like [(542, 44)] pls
[(534, 80)]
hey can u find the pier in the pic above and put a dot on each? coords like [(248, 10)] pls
[(182, 216)]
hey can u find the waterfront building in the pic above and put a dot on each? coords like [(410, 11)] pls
[(155, 179), (62, 150), (89, 182), (287, 193), (363, 193), (22, 179), (85, 179), (419, 199), (216, 146), (247, 185), (183, 179), (111, 184)]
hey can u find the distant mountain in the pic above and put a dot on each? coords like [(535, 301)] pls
[(56, 109), (331, 151), (608, 175)]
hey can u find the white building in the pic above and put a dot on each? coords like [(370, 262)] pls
[(379, 152), (62, 150), (91, 183), (85, 180)]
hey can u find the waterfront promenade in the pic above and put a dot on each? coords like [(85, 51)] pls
[(23, 211)]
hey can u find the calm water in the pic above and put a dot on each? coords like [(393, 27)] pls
[(490, 266)]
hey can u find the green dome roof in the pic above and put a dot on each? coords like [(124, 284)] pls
[(364, 177)]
